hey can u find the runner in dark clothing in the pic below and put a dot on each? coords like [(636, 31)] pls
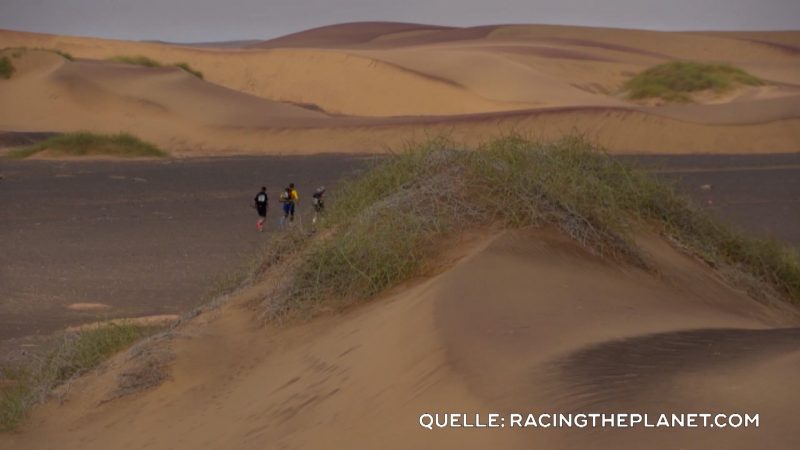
[(261, 204)]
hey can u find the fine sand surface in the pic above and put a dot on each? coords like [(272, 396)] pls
[(516, 322), (367, 86), (511, 321)]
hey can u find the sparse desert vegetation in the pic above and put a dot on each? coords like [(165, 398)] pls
[(87, 144), (386, 226), (677, 80), (474, 253), (16, 52), (74, 355), (141, 60), (190, 69), (6, 67), (62, 53)]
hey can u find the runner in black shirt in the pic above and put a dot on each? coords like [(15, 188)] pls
[(261, 203)]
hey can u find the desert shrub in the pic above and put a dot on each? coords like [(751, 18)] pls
[(189, 69), (85, 143), (78, 352), (385, 226), (676, 80), (65, 55), (16, 52), (145, 61), (6, 68), (139, 60)]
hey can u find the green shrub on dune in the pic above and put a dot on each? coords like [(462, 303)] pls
[(138, 60), (6, 68), (675, 81), (145, 61), (388, 224), (63, 54), (87, 144), (189, 69), (16, 52), (77, 353)]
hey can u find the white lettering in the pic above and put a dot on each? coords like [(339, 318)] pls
[(426, 421)]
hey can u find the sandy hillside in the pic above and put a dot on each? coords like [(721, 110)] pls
[(519, 322), (362, 87)]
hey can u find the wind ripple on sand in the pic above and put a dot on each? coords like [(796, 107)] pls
[(622, 372)]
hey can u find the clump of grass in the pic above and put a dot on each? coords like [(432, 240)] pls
[(85, 143), (139, 60), (58, 52), (189, 69), (63, 54), (145, 61), (6, 68), (388, 224), (677, 80), (16, 52), (78, 353)]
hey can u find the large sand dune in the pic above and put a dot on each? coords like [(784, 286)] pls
[(512, 321), (519, 322), (362, 87)]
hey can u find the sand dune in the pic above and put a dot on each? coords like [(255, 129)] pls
[(351, 34), (362, 87), (123, 92), (511, 327), (191, 117), (160, 104), (334, 81), (523, 321)]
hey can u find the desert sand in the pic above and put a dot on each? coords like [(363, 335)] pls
[(367, 86), (514, 322), (523, 321)]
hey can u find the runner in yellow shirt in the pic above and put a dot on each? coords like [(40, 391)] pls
[(289, 198)]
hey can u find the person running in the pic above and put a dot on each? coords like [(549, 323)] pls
[(261, 204), (319, 203), (289, 198)]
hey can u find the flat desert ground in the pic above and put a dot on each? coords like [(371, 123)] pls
[(513, 321), (136, 238)]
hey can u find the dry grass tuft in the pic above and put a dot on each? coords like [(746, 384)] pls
[(387, 225), (25, 386)]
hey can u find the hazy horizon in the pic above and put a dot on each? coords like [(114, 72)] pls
[(210, 20)]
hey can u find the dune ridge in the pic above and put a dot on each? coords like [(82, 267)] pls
[(496, 330), (349, 87)]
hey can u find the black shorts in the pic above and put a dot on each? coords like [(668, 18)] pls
[(262, 212)]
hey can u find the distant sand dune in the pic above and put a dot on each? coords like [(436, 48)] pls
[(351, 34), (362, 87)]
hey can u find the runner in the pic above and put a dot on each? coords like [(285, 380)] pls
[(261, 204), (289, 198), (319, 203)]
